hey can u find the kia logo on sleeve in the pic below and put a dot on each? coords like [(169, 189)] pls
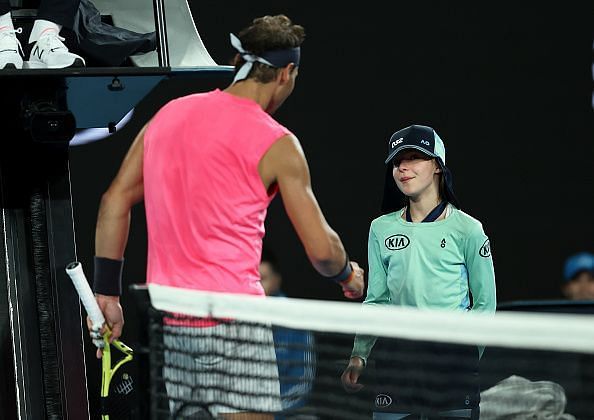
[(485, 250)]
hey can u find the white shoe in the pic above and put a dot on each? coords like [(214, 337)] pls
[(11, 53), (50, 53)]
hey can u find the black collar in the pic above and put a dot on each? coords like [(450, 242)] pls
[(433, 214)]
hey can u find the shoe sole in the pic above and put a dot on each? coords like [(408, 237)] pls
[(37, 65)]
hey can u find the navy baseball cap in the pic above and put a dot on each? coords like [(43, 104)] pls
[(419, 137), (427, 141), (575, 264)]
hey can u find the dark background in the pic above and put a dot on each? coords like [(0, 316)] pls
[(508, 89)]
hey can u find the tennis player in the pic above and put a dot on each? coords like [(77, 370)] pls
[(207, 166), (431, 255)]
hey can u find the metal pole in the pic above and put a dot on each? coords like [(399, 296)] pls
[(161, 33)]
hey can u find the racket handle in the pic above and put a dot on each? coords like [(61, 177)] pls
[(75, 271)]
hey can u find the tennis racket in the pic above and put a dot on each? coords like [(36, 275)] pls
[(117, 384)]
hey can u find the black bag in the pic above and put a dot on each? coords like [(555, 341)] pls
[(106, 44)]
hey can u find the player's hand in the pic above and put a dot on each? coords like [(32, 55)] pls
[(114, 318), (97, 336), (353, 288), (350, 376)]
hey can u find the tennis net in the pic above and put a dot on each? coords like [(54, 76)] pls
[(215, 353)]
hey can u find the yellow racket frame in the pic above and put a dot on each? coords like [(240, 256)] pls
[(107, 372)]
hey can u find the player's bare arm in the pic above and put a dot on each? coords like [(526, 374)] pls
[(126, 190), (113, 224), (286, 165)]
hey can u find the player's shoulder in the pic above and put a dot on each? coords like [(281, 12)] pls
[(469, 223), (183, 103), (384, 219)]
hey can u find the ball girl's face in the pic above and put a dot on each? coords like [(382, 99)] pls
[(415, 172)]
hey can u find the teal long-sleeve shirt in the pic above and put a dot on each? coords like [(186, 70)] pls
[(435, 265)]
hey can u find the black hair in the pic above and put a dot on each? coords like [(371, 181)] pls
[(268, 33)]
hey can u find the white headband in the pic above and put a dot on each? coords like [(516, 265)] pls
[(249, 58)]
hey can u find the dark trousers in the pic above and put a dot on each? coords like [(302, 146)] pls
[(425, 378), (61, 12)]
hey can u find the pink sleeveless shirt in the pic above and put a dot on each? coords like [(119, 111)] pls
[(204, 198)]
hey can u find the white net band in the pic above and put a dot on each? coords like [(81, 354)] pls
[(550, 331)]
